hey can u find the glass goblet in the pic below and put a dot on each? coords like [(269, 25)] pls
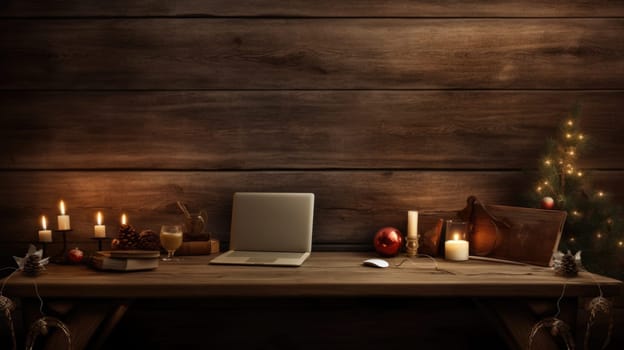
[(170, 239)]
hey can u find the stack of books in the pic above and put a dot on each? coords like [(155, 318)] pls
[(125, 260)]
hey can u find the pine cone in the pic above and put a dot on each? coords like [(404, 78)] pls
[(32, 266), (128, 238), (148, 240), (567, 266)]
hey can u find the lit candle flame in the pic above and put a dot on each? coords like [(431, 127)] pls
[(456, 236), (99, 218), (43, 222), (62, 207), (124, 219)]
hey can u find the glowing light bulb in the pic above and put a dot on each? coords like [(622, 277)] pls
[(598, 235), (546, 183), (568, 136), (570, 123), (600, 194), (580, 137), (547, 162), (580, 173), (539, 188), (620, 244)]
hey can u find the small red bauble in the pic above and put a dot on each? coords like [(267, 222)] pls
[(75, 255), (548, 203), (388, 241)]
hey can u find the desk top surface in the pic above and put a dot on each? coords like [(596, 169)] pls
[(324, 274)]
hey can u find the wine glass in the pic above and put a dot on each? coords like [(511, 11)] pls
[(170, 239)]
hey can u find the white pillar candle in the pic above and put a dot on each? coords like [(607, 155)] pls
[(44, 234), (412, 224), (456, 249), (63, 220), (99, 229)]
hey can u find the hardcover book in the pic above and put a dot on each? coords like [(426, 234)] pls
[(116, 261)]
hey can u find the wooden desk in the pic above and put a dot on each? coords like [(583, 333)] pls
[(324, 275)]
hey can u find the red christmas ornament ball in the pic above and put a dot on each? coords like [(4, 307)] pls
[(548, 203), (388, 241), (75, 255)]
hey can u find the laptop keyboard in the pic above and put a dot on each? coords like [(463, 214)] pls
[(264, 255)]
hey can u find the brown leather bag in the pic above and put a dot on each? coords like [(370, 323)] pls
[(520, 234)]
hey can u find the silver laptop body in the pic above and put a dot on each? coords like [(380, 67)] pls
[(270, 229)]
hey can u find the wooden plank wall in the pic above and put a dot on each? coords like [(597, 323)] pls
[(376, 106)]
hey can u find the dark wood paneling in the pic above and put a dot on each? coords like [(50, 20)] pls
[(350, 205), (299, 130), (312, 54), (319, 8)]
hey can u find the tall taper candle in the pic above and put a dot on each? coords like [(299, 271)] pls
[(412, 224)]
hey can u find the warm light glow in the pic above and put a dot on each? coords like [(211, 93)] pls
[(99, 218), (600, 194), (456, 236), (576, 213), (62, 207), (570, 171), (581, 136), (570, 122), (571, 152), (124, 219), (572, 239), (539, 188), (547, 162), (620, 244), (568, 136), (580, 173), (44, 222), (598, 235)]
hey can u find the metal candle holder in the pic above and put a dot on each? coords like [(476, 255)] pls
[(44, 246), (99, 240), (61, 258)]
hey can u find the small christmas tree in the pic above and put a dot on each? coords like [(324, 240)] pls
[(594, 224)]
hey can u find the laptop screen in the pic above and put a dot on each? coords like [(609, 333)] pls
[(277, 222)]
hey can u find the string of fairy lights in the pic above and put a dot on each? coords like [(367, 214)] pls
[(560, 174)]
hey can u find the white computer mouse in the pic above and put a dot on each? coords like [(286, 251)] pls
[(381, 263)]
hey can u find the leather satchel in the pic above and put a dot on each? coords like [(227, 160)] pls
[(519, 234)]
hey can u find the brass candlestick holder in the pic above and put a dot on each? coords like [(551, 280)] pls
[(411, 246), (61, 258)]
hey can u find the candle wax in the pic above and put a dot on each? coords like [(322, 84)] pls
[(456, 250), (412, 224)]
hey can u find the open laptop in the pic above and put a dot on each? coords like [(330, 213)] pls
[(270, 229)]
